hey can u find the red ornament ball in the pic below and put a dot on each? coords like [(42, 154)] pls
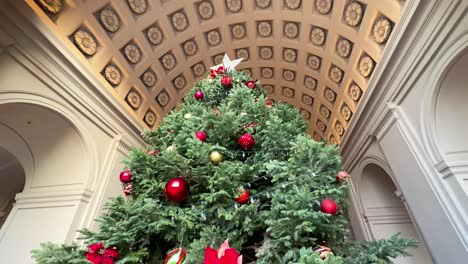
[(246, 141), (198, 95), (243, 198), (226, 81), (342, 175), (200, 135), (126, 176), (250, 84), (177, 189), (269, 103), (328, 206)]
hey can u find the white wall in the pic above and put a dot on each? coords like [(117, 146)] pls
[(67, 138), (414, 112)]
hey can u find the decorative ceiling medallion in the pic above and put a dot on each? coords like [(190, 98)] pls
[(52, 6), (85, 42), (308, 100), (355, 92), (289, 55), (168, 61), (234, 5), (310, 83), (381, 30), (134, 99), (199, 69), (238, 31), (218, 59), (288, 92), (205, 10), (323, 6), (163, 98), (132, 53), (353, 14), (291, 30), (330, 95), (292, 4), (339, 128), (305, 114), (317, 137), (138, 6), (150, 118), (113, 75), (267, 72), (289, 75), (366, 66), (263, 3), (149, 78), (336, 74), (346, 112), (343, 48), (317, 36), (109, 19), (269, 89), (314, 62), (325, 112), (247, 71), (242, 53), (190, 47), (264, 28), (179, 21), (321, 126), (154, 35), (266, 53), (333, 140), (179, 82), (213, 37)]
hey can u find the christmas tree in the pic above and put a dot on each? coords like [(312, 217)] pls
[(228, 164)]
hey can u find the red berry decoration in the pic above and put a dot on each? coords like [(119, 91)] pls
[(246, 141), (268, 102), (342, 175), (250, 84), (200, 135), (226, 81), (220, 70), (244, 197), (177, 189), (126, 176), (328, 206), (153, 152), (213, 74), (198, 95), (127, 188)]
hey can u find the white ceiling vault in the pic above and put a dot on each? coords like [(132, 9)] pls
[(316, 54)]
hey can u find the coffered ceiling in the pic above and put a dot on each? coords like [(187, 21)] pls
[(318, 55)]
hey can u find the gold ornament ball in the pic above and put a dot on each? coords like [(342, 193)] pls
[(188, 116), (171, 148), (216, 157)]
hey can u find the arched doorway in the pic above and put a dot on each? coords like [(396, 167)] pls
[(386, 213), (50, 156), (12, 180)]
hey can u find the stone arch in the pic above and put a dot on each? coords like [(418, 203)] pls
[(385, 211), (12, 181), (440, 73), (70, 119)]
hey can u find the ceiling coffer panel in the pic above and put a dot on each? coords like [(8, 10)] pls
[(317, 54)]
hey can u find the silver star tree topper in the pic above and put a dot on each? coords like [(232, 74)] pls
[(228, 64)]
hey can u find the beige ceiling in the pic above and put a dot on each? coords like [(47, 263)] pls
[(316, 54)]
